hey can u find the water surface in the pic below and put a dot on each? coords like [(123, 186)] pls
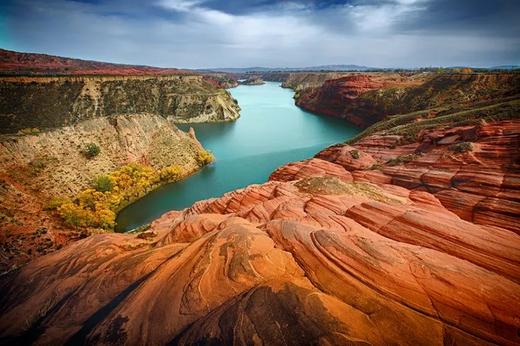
[(270, 132)]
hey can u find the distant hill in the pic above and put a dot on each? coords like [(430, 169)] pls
[(16, 63), (505, 67), (290, 69)]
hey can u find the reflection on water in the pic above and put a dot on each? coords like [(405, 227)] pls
[(270, 132)]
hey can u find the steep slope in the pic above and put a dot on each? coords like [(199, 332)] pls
[(48, 102), (305, 80), (391, 239), (47, 124), (17, 63), (39, 170), (364, 99)]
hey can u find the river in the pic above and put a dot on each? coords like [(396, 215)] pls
[(270, 132)]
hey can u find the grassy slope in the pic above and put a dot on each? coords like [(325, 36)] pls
[(410, 124)]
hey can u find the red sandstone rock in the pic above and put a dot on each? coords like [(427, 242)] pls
[(364, 99), (339, 248)]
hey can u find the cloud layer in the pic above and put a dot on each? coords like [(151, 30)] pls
[(238, 33)]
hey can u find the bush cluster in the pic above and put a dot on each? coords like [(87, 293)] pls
[(205, 157), (399, 160), (461, 147), (91, 150), (97, 206)]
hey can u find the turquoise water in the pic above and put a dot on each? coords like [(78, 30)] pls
[(270, 132)]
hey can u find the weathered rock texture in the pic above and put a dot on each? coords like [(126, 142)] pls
[(306, 80), (49, 102), (348, 247), (36, 168), (255, 80), (364, 99)]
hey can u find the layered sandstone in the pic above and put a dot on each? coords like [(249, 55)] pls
[(307, 80), (384, 241), (50, 102), (364, 99)]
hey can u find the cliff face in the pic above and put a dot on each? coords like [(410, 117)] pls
[(305, 80), (50, 102), (253, 81), (35, 169), (364, 99), (392, 239)]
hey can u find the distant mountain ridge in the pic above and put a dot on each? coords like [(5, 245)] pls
[(291, 69), (17, 63)]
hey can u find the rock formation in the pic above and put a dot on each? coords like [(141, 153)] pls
[(308, 80), (46, 122), (17, 63), (388, 240), (50, 102), (36, 168), (364, 99), (253, 81)]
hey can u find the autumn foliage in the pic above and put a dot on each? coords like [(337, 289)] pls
[(98, 206)]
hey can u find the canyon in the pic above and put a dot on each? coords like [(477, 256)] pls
[(48, 122), (406, 233), (354, 244), (364, 99)]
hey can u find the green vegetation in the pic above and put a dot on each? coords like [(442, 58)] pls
[(29, 131), (410, 125), (98, 206), (91, 150), (354, 154), (103, 183), (401, 159), (461, 147)]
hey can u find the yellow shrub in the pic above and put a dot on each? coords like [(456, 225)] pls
[(97, 207), (205, 158)]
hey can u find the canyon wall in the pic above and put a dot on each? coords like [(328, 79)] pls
[(36, 169), (49, 102), (391, 239), (304, 80), (47, 123), (364, 99)]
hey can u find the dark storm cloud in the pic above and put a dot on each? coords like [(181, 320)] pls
[(485, 17), (204, 33)]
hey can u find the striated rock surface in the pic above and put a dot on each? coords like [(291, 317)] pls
[(358, 245), (49, 102), (309, 80), (364, 99)]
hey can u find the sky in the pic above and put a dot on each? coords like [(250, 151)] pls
[(241, 33)]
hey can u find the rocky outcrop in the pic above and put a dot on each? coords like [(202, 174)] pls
[(221, 80), (253, 81), (307, 80), (364, 99), (49, 102), (35, 169), (384, 241)]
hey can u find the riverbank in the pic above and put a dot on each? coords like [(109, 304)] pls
[(271, 132)]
